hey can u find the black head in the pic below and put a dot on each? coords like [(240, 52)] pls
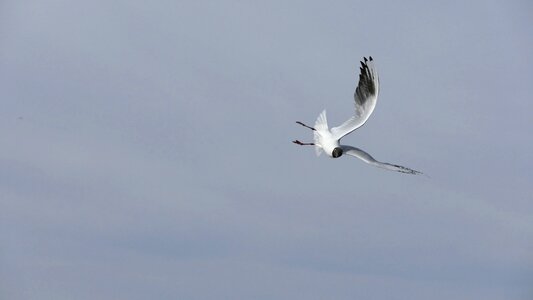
[(337, 152)]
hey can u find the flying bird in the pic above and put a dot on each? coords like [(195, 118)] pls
[(365, 96)]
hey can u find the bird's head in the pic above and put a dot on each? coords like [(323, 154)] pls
[(337, 152)]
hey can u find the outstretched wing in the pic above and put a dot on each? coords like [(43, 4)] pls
[(362, 155), (365, 96)]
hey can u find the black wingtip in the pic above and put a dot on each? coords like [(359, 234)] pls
[(370, 57), (365, 59)]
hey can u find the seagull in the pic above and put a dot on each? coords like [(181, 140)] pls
[(365, 96)]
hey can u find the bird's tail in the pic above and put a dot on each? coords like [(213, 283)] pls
[(321, 125)]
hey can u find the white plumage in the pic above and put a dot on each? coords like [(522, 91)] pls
[(365, 96)]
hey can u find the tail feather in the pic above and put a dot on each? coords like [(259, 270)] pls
[(321, 124)]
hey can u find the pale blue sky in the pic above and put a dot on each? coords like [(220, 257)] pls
[(146, 150)]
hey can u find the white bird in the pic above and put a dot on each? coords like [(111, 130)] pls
[(366, 96)]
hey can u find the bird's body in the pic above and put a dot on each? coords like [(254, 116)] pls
[(324, 139), (365, 96)]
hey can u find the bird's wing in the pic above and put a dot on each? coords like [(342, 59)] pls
[(365, 96), (362, 155)]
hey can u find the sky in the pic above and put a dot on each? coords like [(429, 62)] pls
[(146, 150)]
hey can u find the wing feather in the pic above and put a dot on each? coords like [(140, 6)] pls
[(365, 96), (364, 156)]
